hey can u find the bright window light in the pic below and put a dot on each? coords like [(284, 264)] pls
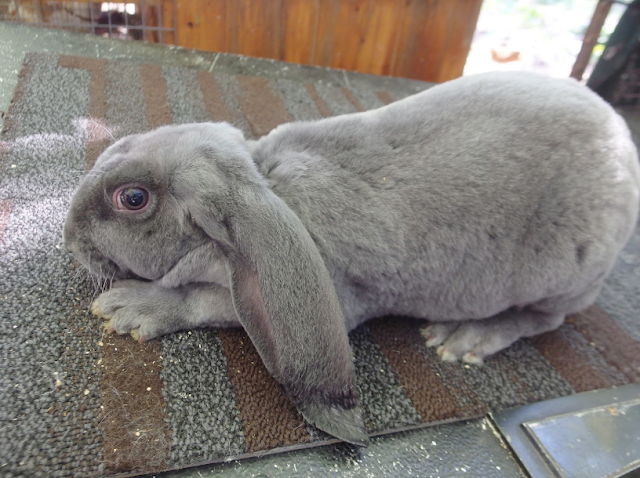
[(130, 8)]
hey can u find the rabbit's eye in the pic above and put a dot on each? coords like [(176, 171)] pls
[(131, 198)]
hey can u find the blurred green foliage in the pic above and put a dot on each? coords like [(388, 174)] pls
[(570, 15)]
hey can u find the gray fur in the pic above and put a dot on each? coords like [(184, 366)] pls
[(492, 205)]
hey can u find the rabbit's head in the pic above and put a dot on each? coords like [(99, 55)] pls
[(133, 213), (154, 200)]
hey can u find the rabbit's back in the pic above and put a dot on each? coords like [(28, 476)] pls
[(492, 191)]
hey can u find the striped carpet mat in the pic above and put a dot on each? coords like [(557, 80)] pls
[(77, 403)]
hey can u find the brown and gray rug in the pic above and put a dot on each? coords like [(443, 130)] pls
[(77, 403)]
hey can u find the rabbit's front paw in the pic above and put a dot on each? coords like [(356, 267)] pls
[(141, 309)]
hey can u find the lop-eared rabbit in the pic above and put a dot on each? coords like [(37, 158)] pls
[(492, 206)]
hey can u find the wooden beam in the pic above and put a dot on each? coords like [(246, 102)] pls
[(591, 38)]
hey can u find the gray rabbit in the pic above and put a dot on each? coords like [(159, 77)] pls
[(493, 206)]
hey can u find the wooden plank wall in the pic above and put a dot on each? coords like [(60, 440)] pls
[(423, 39)]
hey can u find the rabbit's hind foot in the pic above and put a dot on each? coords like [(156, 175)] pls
[(437, 332), (473, 340)]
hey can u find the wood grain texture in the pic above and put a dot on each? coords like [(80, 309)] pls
[(301, 27), (202, 25), (168, 17), (421, 39)]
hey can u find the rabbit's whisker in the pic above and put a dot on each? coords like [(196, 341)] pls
[(111, 279), (97, 123)]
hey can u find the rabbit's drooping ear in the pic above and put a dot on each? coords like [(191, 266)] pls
[(287, 303)]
